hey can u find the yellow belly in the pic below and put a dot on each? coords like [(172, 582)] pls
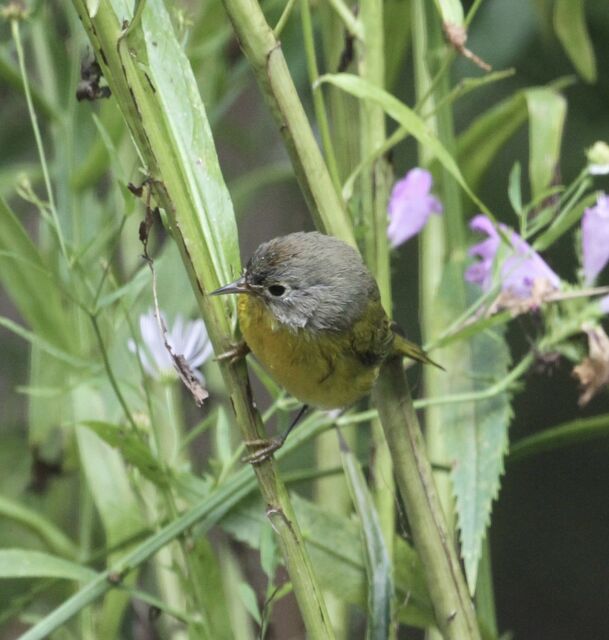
[(319, 370)]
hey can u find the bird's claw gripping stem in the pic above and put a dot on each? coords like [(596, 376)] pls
[(234, 354), (268, 448)]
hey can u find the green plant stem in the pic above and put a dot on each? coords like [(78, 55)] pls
[(351, 23), (318, 97), (110, 373), (563, 435), (453, 608), (274, 80), (375, 186), (431, 260), (123, 57), (485, 595), (442, 249), (43, 163)]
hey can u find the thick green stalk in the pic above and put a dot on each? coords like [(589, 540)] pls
[(264, 53), (375, 187), (318, 99), (442, 243), (124, 61), (447, 587), (453, 608), (432, 260)]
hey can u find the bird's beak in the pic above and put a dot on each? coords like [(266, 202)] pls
[(238, 286)]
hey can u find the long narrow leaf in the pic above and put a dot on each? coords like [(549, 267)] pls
[(407, 118), (378, 563), (26, 563)]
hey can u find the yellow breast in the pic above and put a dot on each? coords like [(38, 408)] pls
[(319, 369)]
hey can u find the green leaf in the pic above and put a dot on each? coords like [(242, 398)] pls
[(563, 435), (408, 119), (475, 433), (105, 471), (248, 598), (378, 564), (478, 145), (26, 563), (30, 283), (564, 222), (133, 447), (55, 539), (451, 11), (207, 572), (514, 189), (570, 26), (547, 110), (268, 552), (102, 152), (42, 344), (174, 117)]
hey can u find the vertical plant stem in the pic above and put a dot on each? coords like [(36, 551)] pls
[(375, 186), (318, 98), (443, 242), (41, 154), (123, 58), (453, 608), (485, 595), (432, 256), (264, 54)]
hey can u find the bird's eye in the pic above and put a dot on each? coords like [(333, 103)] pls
[(277, 290)]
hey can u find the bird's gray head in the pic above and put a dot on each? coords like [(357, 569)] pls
[(308, 280)]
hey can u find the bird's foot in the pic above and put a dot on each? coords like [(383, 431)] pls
[(234, 354), (267, 447)]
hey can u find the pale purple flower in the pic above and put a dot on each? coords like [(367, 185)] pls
[(187, 339), (604, 304), (595, 238), (518, 266), (410, 206)]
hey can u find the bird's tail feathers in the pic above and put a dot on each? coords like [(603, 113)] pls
[(409, 349)]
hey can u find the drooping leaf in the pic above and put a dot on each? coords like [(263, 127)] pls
[(408, 119), (378, 565), (27, 563), (571, 29), (547, 110), (478, 145)]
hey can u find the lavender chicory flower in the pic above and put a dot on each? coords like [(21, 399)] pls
[(410, 206), (518, 266), (595, 239)]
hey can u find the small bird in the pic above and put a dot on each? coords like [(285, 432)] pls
[(310, 311)]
